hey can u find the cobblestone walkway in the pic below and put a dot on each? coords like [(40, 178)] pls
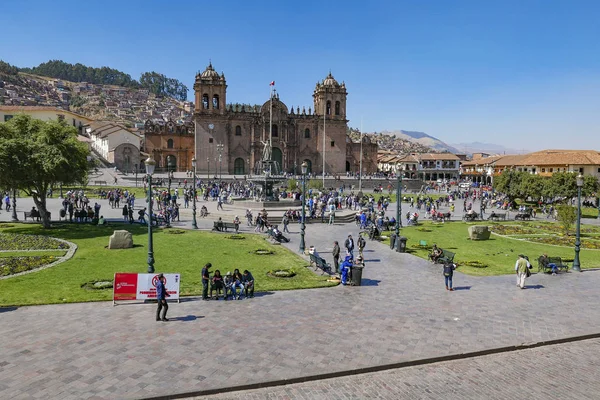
[(561, 372), (402, 313)]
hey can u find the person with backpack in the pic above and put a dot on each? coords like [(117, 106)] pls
[(361, 245), (448, 273)]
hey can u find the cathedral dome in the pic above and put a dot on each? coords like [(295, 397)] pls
[(210, 73), (330, 81)]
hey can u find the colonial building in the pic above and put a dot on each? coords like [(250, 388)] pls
[(234, 136), (45, 113), (544, 162), (425, 166), (171, 145), (116, 144)]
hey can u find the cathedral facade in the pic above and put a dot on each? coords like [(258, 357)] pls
[(230, 139)]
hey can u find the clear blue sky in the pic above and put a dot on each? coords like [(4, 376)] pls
[(524, 74)]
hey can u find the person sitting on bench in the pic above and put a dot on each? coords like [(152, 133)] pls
[(436, 253), (203, 211)]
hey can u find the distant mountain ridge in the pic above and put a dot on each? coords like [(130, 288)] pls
[(488, 148), (424, 139)]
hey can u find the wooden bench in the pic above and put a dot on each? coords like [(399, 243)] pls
[(222, 226), (545, 266), (100, 183), (446, 257), (27, 214), (497, 216), (523, 216), (320, 263), (470, 217)]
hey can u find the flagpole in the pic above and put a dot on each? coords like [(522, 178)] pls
[(361, 156), (324, 118)]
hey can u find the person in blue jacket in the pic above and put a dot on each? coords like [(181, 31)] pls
[(346, 268)]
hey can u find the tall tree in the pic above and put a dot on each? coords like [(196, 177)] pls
[(35, 155)]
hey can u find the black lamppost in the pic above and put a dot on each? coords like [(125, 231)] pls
[(14, 206), (135, 166), (304, 167), (481, 195), (61, 192), (220, 150), (398, 206), (576, 264), (249, 169), (194, 224), (150, 164), (208, 164)]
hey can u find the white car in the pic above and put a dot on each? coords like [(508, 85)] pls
[(464, 185)]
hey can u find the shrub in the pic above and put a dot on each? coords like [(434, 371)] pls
[(567, 215)]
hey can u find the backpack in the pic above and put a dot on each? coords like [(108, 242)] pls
[(448, 268), (361, 242)]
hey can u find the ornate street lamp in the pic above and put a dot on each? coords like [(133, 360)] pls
[(194, 224), (150, 164), (576, 264), (249, 169), (14, 206), (398, 206), (304, 167), (208, 163), (220, 147), (481, 194)]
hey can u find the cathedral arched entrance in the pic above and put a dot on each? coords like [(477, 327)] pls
[(308, 166), (277, 156), (171, 163), (238, 166), (347, 166)]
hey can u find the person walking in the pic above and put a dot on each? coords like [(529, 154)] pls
[(349, 245), (205, 279), (285, 221), (161, 296), (361, 245), (522, 268), (448, 273), (336, 256)]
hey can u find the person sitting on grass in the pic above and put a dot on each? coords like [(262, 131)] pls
[(216, 284), (248, 281), (102, 221)]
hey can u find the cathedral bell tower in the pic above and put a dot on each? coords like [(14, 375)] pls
[(210, 91), (330, 98)]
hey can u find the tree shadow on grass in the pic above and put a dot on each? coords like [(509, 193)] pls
[(75, 230)]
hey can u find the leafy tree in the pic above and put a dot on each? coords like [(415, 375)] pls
[(160, 85), (509, 183), (6, 68), (561, 184), (590, 185), (531, 186), (81, 73), (567, 215), (35, 155)]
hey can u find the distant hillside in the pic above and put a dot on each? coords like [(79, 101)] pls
[(424, 139), (489, 148), (392, 143)]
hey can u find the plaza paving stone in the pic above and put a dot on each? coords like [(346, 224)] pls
[(401, 313), (559, 372)]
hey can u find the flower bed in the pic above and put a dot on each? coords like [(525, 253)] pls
[(263, 252), (13, 241), (15, 265), (474, 264), (507, 230), (566, 241), (281, 273), (175, 231), (100, 284), (235, 237)]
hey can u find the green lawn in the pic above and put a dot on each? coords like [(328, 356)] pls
[(499, 253), (184, 253)]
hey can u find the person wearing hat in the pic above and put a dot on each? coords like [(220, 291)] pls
[(227, 285), (161, 297), (522, 269), (205, 278)]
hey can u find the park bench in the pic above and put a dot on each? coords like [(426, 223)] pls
[(320, 263), (223, 226), (497, 216), (29, 214), (545, 266), (104, 183), (446, 257), (470, 217), (523, 216)]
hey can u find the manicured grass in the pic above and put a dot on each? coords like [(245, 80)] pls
[(174, 253), (499, 253)]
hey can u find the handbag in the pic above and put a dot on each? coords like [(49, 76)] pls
[(527, 273)]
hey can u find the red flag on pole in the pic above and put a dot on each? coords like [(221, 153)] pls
[(272, 83)]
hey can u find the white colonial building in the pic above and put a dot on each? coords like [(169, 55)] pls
[(116, 144)]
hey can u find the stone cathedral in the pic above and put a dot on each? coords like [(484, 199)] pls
[(231, 137)]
